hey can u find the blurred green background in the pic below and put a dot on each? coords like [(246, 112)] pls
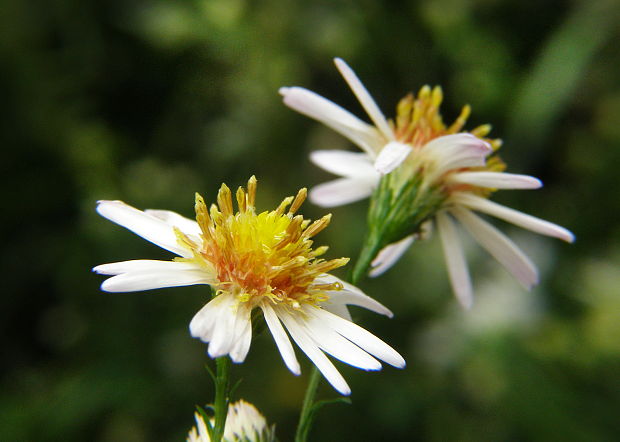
[(149, 101)]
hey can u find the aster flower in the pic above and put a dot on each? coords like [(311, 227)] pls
[(253, 260), (421, 174), (244, 423)]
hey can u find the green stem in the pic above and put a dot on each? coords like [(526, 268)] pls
[(372, 246), (220, 404), (306, 416)]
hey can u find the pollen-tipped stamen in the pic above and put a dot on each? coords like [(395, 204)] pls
[(241, 200), (317, 226), (251, 195), (298, 201), (224, 200), (202, 215), (461, 120)]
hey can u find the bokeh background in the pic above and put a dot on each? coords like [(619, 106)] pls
[(149, 101)]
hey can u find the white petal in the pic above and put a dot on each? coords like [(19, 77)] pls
[(391, 156), (143, 265), (282, 341), (222, 340), (365, 99), (389, 255), (455, 260), (513, 216), (342, 191), (455, 151), (330, 114), (337, 309), (317, 357), (337, 346), (497, 180), (351, 295), (154, 279), (500, 246), (203, 322), (344, 163), (185, 225), (360, 337), (147, 226), (243, 335)]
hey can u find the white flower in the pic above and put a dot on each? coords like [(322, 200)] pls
[(244, 423), (250, 260), (452, 174)]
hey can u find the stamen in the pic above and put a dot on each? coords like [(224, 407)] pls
[(251, 196), (481, 131), (333, 286), (299, 199), (283, 205), (317, 226), (461, 120), (436, 97), (326, 266), (183, 240), (319, 251), (224, 200), (202, 215), (241, 200)]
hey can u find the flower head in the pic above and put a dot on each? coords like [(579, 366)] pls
[(244, 423), (253, 260), (420, 172)]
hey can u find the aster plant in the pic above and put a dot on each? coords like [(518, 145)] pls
[(420, 175), (253, 260)]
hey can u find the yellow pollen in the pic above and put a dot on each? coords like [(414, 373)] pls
[(261, 256)]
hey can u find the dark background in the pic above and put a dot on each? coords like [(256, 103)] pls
[(149, 101)]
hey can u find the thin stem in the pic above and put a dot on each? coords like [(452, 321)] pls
[(220, 404), (371, 248), (306, 416)]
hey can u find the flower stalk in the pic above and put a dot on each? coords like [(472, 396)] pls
[(306, 417), (222, 390)]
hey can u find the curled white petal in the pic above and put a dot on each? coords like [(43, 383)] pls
[(365, 99), (359, 336), (309, 347), (391, 156), (389, 255), (497, 180), (153, 279), (520, 219), (456, 151), (312, 105), (500, 246), (344, 163), (351, 295), (342, 191), (142, 224), (334, 344), (455, 260), (282, 341)]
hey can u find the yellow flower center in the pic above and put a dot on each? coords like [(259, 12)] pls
[(265, 255), (419, 121)]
